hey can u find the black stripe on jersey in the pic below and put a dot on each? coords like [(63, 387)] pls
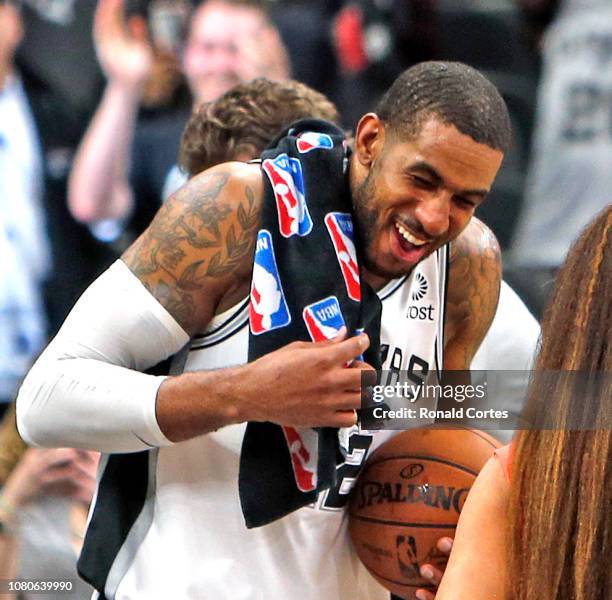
[(203, 340), (397, 286), (121, 497), (443, 266), (445, 296), (228, 334), (222, 333), (225, 323)]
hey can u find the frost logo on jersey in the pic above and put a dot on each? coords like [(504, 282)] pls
[(311, 140), (420, 287), (323, 319), (285, 175), (303, 449), (340, 227), (419, 290), (268, 308)]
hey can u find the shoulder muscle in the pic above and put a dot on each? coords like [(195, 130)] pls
[(473, 293), (200, 243)]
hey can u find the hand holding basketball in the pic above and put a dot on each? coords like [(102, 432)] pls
[(431, 573), (407, 498)]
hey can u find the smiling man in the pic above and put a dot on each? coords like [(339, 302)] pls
[(168, 521), (442, 167)]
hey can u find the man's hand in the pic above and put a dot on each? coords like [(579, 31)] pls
[(429, 572), (303, 384), (196, 260), (58, 472), (307, 384), (122, 46)]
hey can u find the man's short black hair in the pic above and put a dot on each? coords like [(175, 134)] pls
[(455, 93)]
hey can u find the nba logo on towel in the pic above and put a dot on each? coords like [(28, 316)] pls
[(303, 447), (323, 319), (268, 308), (340, 227), (311, 140), (285, 174)]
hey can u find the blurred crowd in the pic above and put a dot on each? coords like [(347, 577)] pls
[(94, 97)]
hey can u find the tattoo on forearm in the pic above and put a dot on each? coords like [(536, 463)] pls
[(193, 237)]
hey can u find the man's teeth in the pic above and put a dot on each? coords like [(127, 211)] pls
[(409, 237)]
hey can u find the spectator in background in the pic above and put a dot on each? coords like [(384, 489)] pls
[(45, 493), (24, 250), (570, 176), (125, 167), (61, 87), (44, 498)]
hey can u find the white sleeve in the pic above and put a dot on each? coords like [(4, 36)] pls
[(512, 339), (85, 390)]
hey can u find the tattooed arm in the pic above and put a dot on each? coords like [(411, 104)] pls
[(87, 389), (473, 292), (196, 256)]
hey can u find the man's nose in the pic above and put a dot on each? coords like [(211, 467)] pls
[(433, 214), (220, 59)]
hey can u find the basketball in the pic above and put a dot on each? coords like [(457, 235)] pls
[(409, 495)]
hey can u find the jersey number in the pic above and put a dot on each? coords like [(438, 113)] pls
[(336, 498), (360, 442)]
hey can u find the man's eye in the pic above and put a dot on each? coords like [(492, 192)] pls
[(466, 202), (422, 183)]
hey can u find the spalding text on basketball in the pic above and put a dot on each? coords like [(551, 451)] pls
[(437, 496)]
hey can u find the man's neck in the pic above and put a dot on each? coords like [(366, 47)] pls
[(376, 282)]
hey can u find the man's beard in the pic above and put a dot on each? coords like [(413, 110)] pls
[(366, 218)]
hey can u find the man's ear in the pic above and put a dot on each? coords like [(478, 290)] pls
[(369, 139)]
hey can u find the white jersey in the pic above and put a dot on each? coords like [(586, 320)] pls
[(188, 538)]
